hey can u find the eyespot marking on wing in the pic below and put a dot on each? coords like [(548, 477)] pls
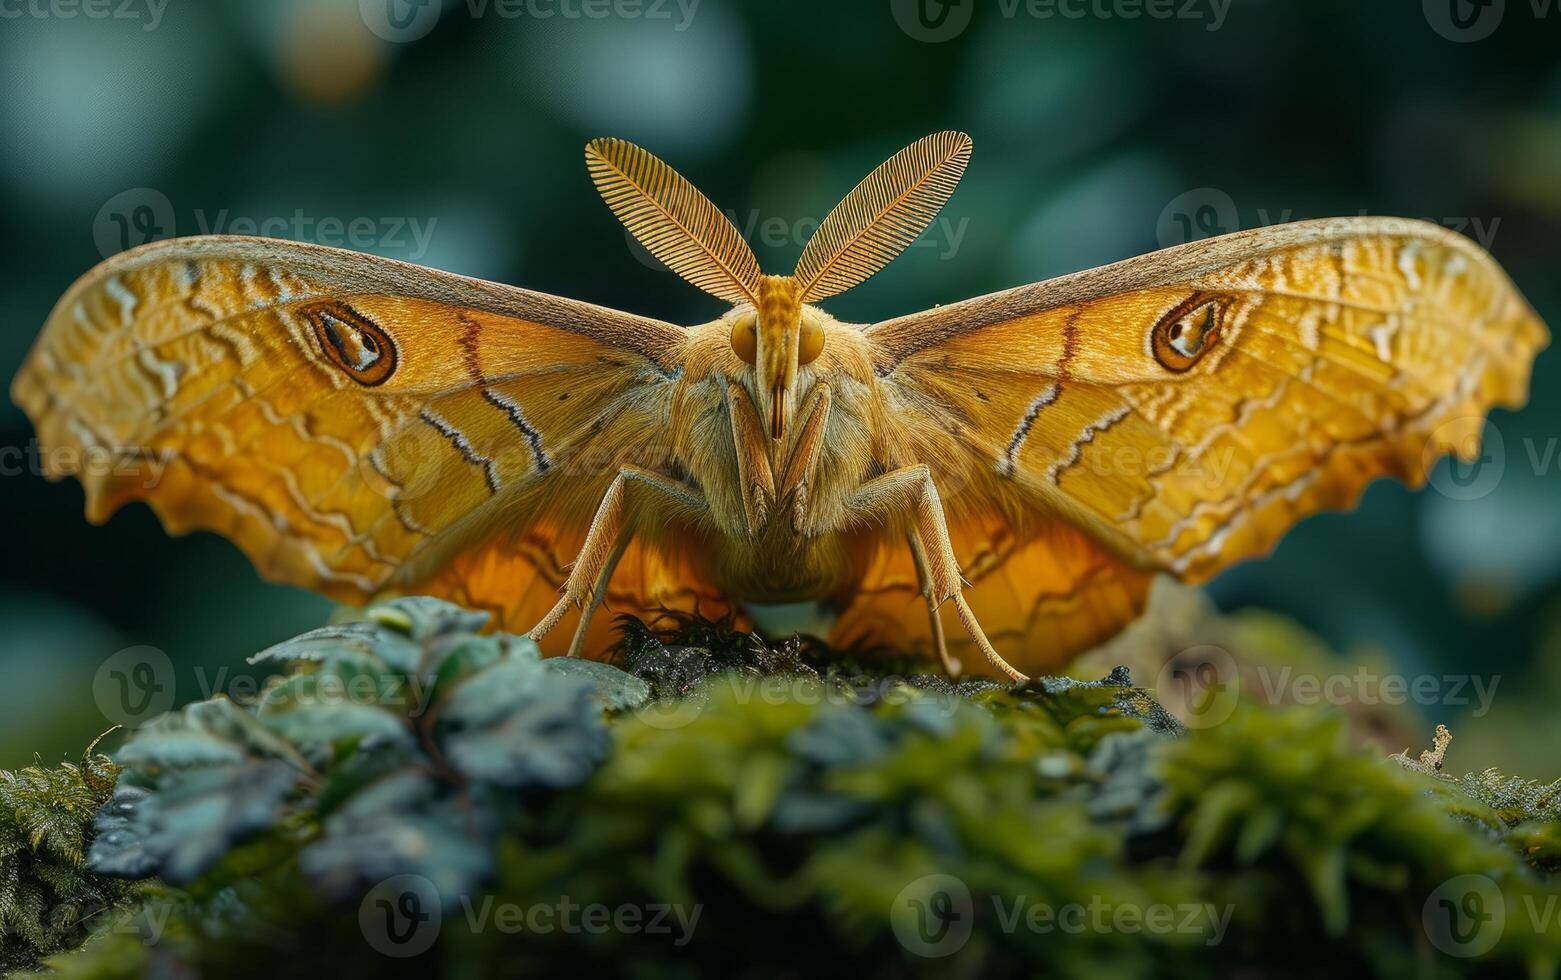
[(353, 342), (1183, 336)]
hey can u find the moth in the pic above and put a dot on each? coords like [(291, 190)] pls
[(1023, 463)]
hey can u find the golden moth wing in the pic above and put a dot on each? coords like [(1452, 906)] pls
[(353, 424), (1187, 407), (1043, 590), (517, 576)]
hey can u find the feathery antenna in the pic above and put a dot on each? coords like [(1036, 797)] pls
[(669, 216), (882, 215)]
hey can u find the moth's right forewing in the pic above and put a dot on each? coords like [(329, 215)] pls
[(1183, 410), (1188, 407)]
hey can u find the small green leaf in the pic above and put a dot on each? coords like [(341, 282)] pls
[(205, 733), (192, 819), (163, 749), (353, 642), (437, 845), (518, 725), (424, 618), (315, 728), (617, 690)]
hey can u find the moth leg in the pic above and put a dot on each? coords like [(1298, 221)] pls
[(910, 493), (610, 532), (598, 594), (951, 664), (754, 474), (805, 455)]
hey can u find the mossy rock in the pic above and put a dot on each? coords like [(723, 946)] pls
[(413, 797)]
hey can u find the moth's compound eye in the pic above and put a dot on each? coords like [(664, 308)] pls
[(745, 338), (811, 342)]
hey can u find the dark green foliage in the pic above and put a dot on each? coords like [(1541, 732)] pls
[(401, 823), (191, 821), (383, 751), (518, 725), (48, 898), (1272, 801), (781, 811)]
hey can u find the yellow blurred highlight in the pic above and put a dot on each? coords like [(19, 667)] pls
[(325, 54)]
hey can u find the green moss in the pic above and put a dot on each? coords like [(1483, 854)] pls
[(49, 900), (723, 806)]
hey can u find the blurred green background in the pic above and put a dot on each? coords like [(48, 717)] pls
[(452, 133)]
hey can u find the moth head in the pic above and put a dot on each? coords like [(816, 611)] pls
[(778, 334), (777, 337)]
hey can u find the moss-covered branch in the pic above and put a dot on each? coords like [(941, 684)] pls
[(410, 795)]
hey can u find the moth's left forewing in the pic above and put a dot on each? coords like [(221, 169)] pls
[(1186, 408), (354, 425)]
